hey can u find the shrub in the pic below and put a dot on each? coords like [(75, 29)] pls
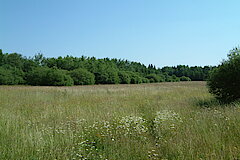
[(82, 77), (135, 78), (56, 77), (145, 80), (172, 78), (184, 78), (124, 77), (37, 76), (153, 78), (107, 76), (6, 76), (11, 76), (224, 81), (44, 76), (175, 78)]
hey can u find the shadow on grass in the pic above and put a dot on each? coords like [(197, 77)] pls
[(208, 103), (213, 103)]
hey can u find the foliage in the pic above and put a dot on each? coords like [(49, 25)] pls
[(172, 78), (44, 76), (195, 73), (14, 60), (153, 78), (90, 70), (38, 59), (56, 77), (224, 80), (135, 78), (37, 77), (5, 76), (145, 80), (11, 76), (81, 76), (124, 77), (107, 76), (184, 78)]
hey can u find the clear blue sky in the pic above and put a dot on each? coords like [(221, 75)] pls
[(161, 32)]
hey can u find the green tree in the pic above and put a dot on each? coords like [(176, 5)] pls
[(108, 76), (56, 77), (135, 78), (14, 60), (6, 77), (124, 77), (145, 80), (175, 78), (81, 76), (224, 81), (154, 78), (38, 59), (11, 76), (37, 76), (44, 76)]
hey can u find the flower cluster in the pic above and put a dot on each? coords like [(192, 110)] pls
[(166, 121), (86, 149), (90, 141), (132, 125), (167, 117), (152, 154)]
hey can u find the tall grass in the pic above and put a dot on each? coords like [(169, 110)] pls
[(147, 121)]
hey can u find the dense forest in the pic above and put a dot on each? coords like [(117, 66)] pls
[(16, 69)]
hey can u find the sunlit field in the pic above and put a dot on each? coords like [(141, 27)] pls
[(117, 122)]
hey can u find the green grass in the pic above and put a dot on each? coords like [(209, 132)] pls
[(147, 121)]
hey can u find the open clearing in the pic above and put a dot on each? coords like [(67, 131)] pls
[(147, 121)]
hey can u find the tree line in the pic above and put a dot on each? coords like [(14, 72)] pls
[(16, 69)]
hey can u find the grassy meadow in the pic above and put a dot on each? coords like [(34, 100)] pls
[(117, 122)]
